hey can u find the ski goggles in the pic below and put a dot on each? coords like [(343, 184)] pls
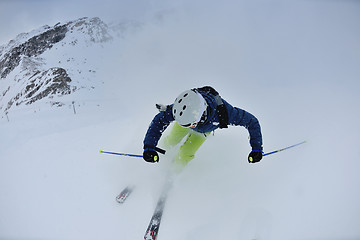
[(190, 125)]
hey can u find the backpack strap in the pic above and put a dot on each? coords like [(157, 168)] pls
[(220, 106)]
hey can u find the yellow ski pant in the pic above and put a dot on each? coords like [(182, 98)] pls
[(188, 149)]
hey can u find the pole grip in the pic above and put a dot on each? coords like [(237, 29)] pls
[(159, 150)]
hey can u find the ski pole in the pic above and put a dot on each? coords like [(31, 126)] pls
[(121, 154), (132, 155), (276, 151)]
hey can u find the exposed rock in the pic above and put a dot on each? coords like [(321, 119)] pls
[(31, 48), (50, 62), (54, 81)]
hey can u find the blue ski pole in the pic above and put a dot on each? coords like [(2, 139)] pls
[(163, 151), (276, 151), (132, 155), (121, 154)]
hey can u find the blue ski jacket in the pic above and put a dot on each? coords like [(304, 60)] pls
[(237, 117)]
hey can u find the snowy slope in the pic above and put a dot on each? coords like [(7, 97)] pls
[(54, 183)]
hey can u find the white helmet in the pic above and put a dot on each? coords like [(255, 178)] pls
[(188, 108)]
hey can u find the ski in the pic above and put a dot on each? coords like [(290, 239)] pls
[(154, 225), (124, 194)]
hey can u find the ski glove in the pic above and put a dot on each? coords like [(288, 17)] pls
[(255, 156), (150, 155)]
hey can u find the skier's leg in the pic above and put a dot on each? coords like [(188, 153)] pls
[(189, 148), (176, 134)]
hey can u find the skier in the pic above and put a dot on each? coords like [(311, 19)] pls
[(197, 112)]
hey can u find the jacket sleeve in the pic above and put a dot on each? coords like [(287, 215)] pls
[(157, 126), (240, 117)]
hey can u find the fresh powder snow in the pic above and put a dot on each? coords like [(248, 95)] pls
[(293, 65)]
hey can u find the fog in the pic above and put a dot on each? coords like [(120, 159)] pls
[(293, 64)]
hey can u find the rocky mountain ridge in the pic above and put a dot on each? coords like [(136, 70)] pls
[(51, 62)]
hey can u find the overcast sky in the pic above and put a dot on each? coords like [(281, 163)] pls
[(18, 16), (327, 29)]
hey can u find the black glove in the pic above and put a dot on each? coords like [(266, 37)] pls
[(150, 155), (255, 156)]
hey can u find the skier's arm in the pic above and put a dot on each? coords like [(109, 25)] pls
[(240, 117), (157, 126)]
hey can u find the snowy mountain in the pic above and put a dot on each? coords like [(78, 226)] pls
[(50, 62)]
